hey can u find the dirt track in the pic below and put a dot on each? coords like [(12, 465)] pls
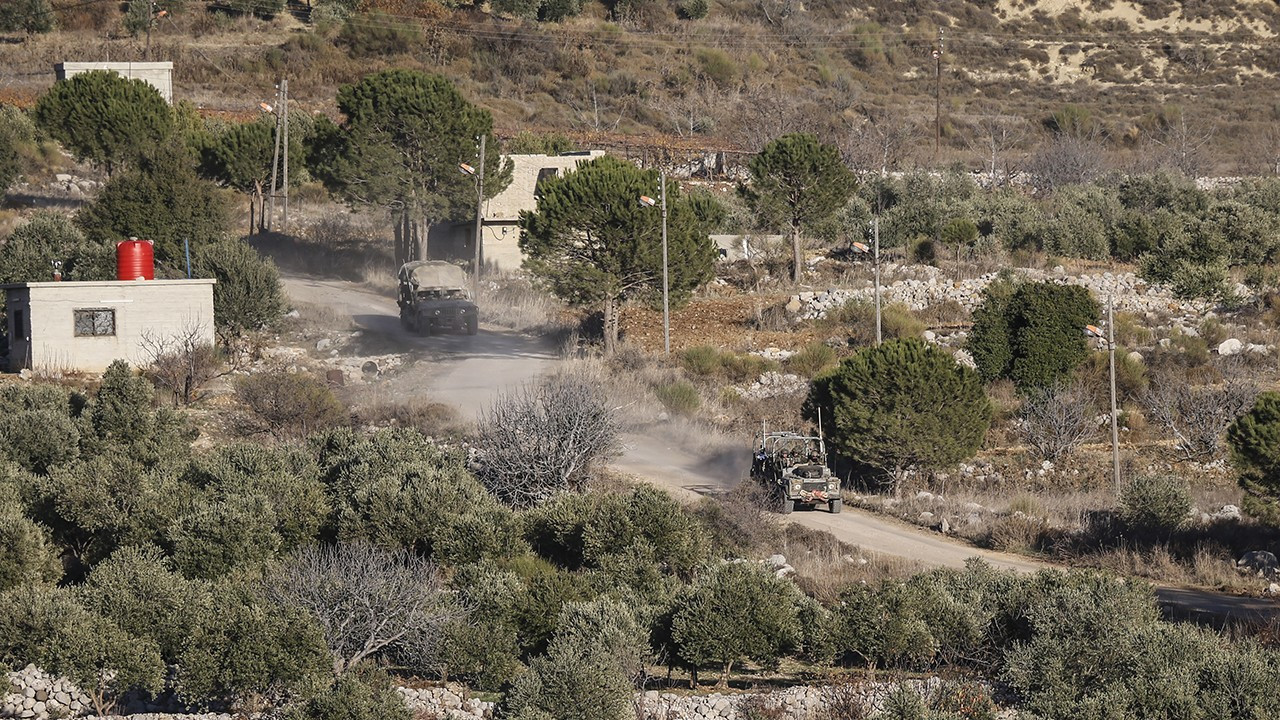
[(468, 372)]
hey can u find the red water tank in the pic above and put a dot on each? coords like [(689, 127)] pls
[(135, 260)]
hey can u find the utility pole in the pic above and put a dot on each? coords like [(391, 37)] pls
[(666, 303), (937, 98), (478, 240), (275, 163), (875, 239), (1115, 416), (284, 118)]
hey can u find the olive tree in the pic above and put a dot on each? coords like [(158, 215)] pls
[(364, 598), (545, 439), (734, 612)]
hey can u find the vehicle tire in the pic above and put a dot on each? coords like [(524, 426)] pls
[(788, 505), (835, 505), (473, 326)]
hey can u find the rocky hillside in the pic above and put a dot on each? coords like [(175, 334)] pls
[(1195, 79)]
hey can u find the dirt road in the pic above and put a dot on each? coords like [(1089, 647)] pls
[(469, 372)]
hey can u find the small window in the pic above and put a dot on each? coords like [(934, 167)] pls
[(543, 175), (95, 322), (19, 324)]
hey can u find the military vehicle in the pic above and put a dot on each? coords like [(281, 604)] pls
[(794, 468), (434, 298)]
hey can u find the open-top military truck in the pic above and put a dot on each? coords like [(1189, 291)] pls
[(434, 298), (794, 467)]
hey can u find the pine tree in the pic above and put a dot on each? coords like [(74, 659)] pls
[(797, 182), (105, 119), (903, 405), (594, 244), (1255, 447)]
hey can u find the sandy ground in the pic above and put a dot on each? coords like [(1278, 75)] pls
[(470, 372)]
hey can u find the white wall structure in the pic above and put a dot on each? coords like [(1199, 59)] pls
[(157, 74), (85, 326), (500, 229)]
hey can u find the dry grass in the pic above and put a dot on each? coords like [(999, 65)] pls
[(511, 301)]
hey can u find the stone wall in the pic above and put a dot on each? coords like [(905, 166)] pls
[(35, 695), (931, 286)]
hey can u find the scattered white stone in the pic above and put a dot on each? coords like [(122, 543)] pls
[(1230, 346)]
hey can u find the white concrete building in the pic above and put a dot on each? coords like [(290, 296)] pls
[(85, 326), (157, 74), (500, 222)]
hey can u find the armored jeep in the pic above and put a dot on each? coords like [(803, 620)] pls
[(794, 468), (434, 298)]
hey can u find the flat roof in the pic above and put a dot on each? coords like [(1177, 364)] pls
[(106, 283)]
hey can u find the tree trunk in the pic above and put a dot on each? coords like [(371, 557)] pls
[(397, 234), (253, 200), (611, 313), (724, 678), (796, 260)]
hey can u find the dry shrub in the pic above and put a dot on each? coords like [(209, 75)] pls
[(288, 405), (739, 522), (546, 439), (946, 312), (1056, 422), (181, 364), (679, 397), (1017, 533), (511, 301), (429, 418), (759, 707), (812, 359), (845, 701)]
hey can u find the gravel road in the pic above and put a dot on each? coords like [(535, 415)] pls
[(469, 372)]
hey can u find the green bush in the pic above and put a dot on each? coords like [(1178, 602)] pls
[(1255, 449), (812, 359), (30, 557), (289, 405), (1032, 333), (225, 534), (246, 649), (745, 367), (904, 404), (587, 669), (49, 236), (136, 589), (288, 479), (365, 695), (162, 199), (735, 612), (248, 295), (1155, 503), (701, 359), (679, 397), (482, 647), (46, 627), (693, 9)]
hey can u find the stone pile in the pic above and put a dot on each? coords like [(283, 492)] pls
[(31, 693), (1132, 293), (449, 702), (773, 384)]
